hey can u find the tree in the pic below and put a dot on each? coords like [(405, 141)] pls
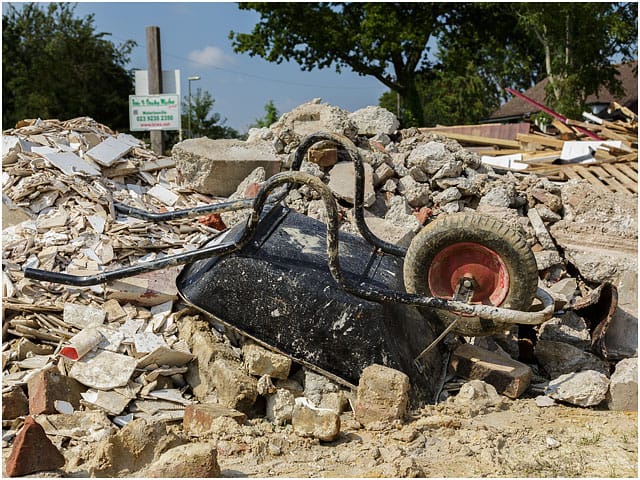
[(57, 66), (579, 41), (205, 123), (271, 116), (388, 41)]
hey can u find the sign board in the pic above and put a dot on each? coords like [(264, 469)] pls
[(154, 112), (170, 82)]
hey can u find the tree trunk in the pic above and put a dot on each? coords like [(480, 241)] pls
[(413, 115)]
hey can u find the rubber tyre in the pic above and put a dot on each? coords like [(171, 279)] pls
[(500, 238)]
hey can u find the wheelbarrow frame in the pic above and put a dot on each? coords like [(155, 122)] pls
[(266, 195)]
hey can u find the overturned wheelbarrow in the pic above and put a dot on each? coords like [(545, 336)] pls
[(338, 302)]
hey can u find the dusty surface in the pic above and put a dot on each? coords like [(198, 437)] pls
[(517, 439)]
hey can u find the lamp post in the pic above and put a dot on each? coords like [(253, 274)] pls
[(190, 79)]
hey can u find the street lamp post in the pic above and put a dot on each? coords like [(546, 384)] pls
[(190, 79)]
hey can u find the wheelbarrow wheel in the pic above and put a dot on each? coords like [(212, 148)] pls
[(468, 246)]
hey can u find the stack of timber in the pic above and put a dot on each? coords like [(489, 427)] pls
[(604, 153)]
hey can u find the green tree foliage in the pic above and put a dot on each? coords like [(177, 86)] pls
[(388, 41), (204, 122), (579, 41), (271, 116), (57, 66)]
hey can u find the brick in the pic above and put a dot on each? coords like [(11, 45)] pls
[(14, 404), (319, 423), (383, 395), (32, 451), (508, 376), (50, 385), (260, 361), (199, 417)]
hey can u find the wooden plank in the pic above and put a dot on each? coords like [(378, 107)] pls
[(476, 140), (621, 177), (605, 132), (541, 157), (540, 140), (591, 178), (613, 184), (628, 171)]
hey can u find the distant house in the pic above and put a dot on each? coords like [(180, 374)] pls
[(517, 109)]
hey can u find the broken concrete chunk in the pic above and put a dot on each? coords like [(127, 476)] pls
[(103, 370), (585, 389), (623, 389), (568, 328), (216, 167), (199, 418), (509, 377), (558, 358), (280, 406), (478, 396), (32, 451), (260, 361), (234, 388), (374, 120), (383, 395), (192, 460), (310, 421), (342, 182)]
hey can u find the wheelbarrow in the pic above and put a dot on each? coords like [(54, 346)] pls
[(338, 302)]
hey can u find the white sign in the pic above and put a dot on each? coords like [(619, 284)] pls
[(170, 82), (154, 112)]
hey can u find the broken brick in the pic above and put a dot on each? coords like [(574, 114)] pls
[(213, 220), (14, 404), (50, 385), (32, 451)]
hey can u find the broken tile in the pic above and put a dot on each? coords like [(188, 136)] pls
[(72, 164), (147, 342), (103, 370), (163, 194), (113, 403), (163, 355), (83, 316), (110, 150)]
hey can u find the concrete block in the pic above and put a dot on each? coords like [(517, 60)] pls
[(234, 388), (199, 417), (623, 389), (585, 389), (32, 451), (383, 395), (508, 376), (216, 167), (309, 421), (14, 404), (260, 361), (50, 385), (192, 460)]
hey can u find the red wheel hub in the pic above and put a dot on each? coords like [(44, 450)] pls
[(469, 260)]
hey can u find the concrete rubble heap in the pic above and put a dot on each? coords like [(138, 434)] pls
[(124, 379)]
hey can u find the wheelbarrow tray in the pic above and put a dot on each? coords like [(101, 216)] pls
[(278, 290)]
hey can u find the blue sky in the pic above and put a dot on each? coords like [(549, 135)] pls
[(194, 39)]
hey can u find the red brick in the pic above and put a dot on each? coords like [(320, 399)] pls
[(50, 385), (32, 451), (14, 404)]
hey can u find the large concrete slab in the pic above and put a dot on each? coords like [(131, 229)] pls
[(216, 167)]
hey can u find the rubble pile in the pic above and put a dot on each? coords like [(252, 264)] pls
[(124, 378)]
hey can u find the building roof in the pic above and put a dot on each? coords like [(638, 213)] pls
[(518, 108)]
